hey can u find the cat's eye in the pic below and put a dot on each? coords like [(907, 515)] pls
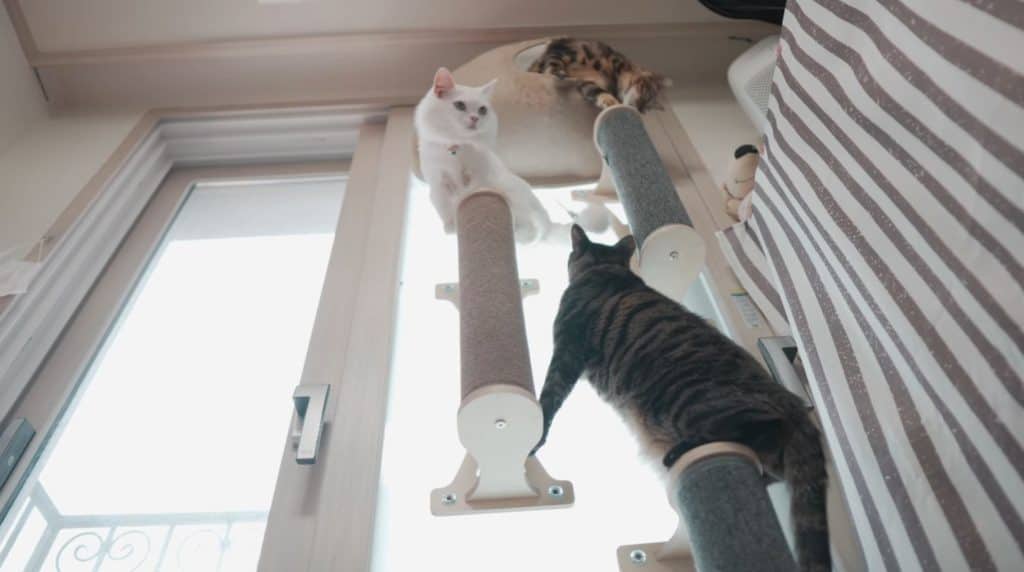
[(482, 110), (461, 106)]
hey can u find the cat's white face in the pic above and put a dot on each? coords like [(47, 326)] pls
[(453, 112)]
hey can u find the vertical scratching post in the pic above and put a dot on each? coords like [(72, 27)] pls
[(492, 327), (717, 488), (499, 419), (732, 524), (671, 253), (727, 523)]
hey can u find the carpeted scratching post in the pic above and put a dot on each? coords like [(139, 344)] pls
[(671, 252), (727, 522), (489, 299), (499, 419)]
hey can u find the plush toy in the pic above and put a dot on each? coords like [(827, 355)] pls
[(600, 218), (739, 182)]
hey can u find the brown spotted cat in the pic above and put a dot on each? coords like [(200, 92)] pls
[(680, 382), (605, 77)]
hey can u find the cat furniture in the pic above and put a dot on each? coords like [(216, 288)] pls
[(499, 419), (549, 135)]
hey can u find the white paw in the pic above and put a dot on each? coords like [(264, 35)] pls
[(606, 100), (593, 218)]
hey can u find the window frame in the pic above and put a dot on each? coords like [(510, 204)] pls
[(364, 260)]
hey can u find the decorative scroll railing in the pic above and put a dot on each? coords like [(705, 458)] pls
[(194, 542)]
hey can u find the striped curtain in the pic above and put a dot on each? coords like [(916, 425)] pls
[(890, 209), (745, 255)]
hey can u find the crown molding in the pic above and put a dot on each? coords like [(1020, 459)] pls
[(30, 323), (365, 65), (321, 43), (329, 43)]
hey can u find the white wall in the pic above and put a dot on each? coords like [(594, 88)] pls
[(715, 123), (44, 161), (21, 98), (48, 164)]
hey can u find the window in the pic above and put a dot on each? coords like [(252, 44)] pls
[(619, 499), (167, 458)]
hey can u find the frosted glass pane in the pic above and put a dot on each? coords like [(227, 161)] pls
[(619, 500), (168, 457)]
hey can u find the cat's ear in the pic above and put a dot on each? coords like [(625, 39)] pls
[(488, 88), (444, 82), (579, 238), (626, 246)]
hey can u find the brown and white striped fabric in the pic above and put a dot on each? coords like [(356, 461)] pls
[(745, 255), (890, 206)]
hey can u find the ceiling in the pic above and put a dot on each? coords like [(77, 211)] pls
[(74, 25), (213, 53)]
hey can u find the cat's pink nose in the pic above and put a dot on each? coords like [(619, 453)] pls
[(474, 119)]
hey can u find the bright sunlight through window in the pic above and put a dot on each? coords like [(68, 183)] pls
[(619, 500), (171, 449)]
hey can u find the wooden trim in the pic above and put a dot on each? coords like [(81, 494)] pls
[(149, 121), (315, 68), (344, 539), (46, 398), (348, 104), (91, 228), (326, 512), (147, 124), (301, 494), (414, 39)]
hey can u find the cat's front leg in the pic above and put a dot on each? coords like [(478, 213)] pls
[(597, 95), (443, 196), (564, 371)]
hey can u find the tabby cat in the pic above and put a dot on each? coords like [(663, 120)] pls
[(604, 76), (680, 382)]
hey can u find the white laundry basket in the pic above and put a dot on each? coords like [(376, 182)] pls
[(750, 78)]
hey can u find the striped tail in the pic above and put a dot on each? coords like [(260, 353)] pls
[(804, 468)]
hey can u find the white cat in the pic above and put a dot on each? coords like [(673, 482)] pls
[(457, 131)]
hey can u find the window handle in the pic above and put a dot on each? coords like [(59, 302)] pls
[(308, 421)]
